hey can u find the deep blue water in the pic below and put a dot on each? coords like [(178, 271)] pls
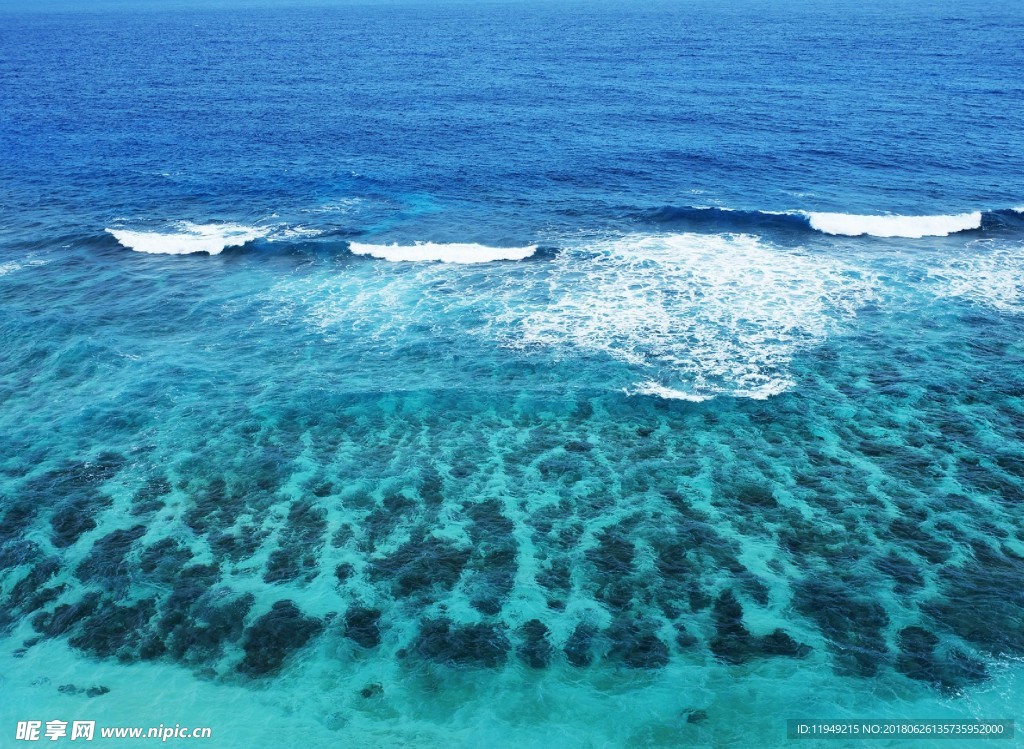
[(441, 373)]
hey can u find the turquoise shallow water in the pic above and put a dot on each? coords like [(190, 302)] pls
[(515, 532)]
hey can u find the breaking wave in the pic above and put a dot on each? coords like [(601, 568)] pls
[(714, 219), (994, 278), (442, 253), (910, 227), (187, 238), (695, 316)]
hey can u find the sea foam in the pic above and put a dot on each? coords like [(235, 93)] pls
[(188, 238), (10, 267), (910, 227), (694, 315), (15, 265), (650, 387), (444, 253), (993, 278)]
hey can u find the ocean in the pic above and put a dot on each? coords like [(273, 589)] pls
[(513, 374)]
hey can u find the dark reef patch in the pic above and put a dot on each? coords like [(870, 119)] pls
[(372, 690), (395, 511), (65, 617), (684, 638), (613, 574), (635, 644), (781, 643), (491, 567), (105, 563), (150, 498), (236, 545), (754, 587), (421, 565), (578, 446), (653, 559), (362, 626), (163, 561), (613, 554), (689, 545), (213, 507), (73, 519), (274, 636), (755, 495), (32, 592), (983, 600), (536, 649), (343, 572), (431, 488), (919, 660), (917, 648), (489, 522), (853, 624), (300, 541), (14, 548), (181, 629), (732, 642), (75, 491), (97, 691), (114, 630), (443, 641), (904, 573), (286, 565), (916, 538), (198, 634), (581, 647), (556, 578)]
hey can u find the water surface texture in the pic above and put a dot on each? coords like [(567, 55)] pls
[(472, 375)]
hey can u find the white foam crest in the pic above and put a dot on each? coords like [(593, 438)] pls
[(687, 316), (650, 387), (1018, 209), (698, 315), (188, 238), (286, 233), (16, 265), (342, 205), (993, 277), (910, 227), (444, 253)]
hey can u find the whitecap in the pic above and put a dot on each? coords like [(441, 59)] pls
[(990, 276), (16, 265), (678, 316), (445, 253), (650, 387), (188, 238), (286, 233), (342, 205), (910, 227), (695, 315)]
